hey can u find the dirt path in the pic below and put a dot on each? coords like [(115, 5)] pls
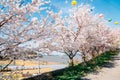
[(107, 73)]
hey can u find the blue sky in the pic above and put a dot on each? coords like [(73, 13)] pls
[(110, 8)]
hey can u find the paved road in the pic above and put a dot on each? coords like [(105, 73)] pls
[(111, 73)]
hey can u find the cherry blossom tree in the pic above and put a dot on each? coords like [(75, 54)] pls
[(17, 21), (68, 36)]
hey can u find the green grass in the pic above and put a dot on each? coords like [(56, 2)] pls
[(78, 71)]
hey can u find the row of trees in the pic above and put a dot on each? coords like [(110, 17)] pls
[(83, 32), (80, 31)]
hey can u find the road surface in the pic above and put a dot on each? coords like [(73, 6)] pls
[(111, 73)]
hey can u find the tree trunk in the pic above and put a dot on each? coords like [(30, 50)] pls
[(84, 58), (7, 65), (71, 63), (14, 62), (71, 56)]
